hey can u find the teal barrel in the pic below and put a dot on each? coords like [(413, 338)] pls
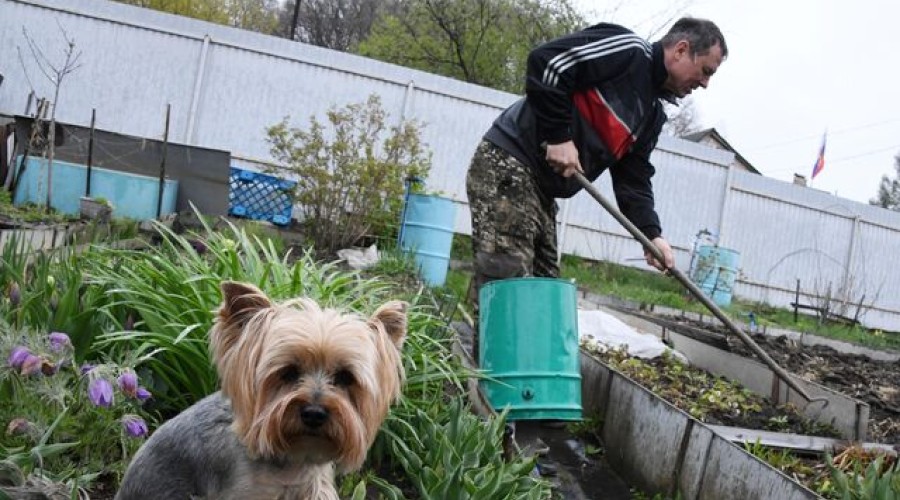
[(715, 271), (427, 232), (528, 331)]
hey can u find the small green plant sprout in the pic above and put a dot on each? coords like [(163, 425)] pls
[(591, 450), (778, 423), (103, 201)]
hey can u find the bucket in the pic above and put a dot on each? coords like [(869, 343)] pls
[(528, 331), (427, 231), (715, 271)]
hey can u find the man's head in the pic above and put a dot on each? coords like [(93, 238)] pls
[(694, 49)]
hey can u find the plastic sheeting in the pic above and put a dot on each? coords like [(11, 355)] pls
[(604, 331)]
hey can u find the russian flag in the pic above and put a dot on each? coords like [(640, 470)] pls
[(820, 161)]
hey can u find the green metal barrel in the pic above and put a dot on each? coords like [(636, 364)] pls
[(528, 329)]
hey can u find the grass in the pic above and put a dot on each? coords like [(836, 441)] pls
[(625, 282), (649, 287), (784, 318)]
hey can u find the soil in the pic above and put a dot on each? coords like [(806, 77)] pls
[(874, 382), (574, 473)]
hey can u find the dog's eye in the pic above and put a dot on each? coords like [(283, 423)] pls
[(344, 378), (290, 374)]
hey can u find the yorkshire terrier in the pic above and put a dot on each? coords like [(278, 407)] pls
[(304, 392)]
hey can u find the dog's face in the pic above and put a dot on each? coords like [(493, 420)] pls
[(306, 384)]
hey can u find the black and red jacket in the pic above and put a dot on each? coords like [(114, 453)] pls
[(600, 87)]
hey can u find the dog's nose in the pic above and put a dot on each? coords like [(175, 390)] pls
[(313, 415)]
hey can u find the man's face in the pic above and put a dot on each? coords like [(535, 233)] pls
[(687, 72)]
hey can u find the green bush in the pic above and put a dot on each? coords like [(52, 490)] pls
[(349, 177)]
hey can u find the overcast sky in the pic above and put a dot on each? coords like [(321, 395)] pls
[(796, 68)]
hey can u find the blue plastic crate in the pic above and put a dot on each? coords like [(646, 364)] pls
[(257, 196)]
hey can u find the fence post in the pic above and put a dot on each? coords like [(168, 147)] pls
[(726, 197), (407, 100), (90, 155), (845, 279), (195, 96), (162, 166)]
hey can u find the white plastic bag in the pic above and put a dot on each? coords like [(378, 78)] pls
[(359, 258), (605, 331)]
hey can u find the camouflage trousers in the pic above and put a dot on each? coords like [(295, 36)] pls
[(513, 223)]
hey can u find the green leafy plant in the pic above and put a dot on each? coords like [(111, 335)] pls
[(857, 474), (349, 177), (453, 455), (46, 291), (783, 460)]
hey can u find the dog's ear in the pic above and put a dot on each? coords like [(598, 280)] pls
[(240, 301), (392, 317)]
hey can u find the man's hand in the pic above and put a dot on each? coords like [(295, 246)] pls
[(563, 157), (666, 250)]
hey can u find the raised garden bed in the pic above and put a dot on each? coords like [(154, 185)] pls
[(874, 382)]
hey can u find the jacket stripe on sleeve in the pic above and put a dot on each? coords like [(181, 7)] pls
[(565, 60)]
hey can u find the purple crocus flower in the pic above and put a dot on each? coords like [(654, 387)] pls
[(129, 323), (128, 382), (17, 356), (15, 295), (134, 426), (59, 341), (198, 246), (32, 365), (101, 392), (143, 394), (19, 426)]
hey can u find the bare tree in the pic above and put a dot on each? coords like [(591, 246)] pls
[(54, 73), (838, 303), (845, 302), (649, 23), (334, 24), (683, 118)]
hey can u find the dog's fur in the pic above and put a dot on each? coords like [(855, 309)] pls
[(304, 392)]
